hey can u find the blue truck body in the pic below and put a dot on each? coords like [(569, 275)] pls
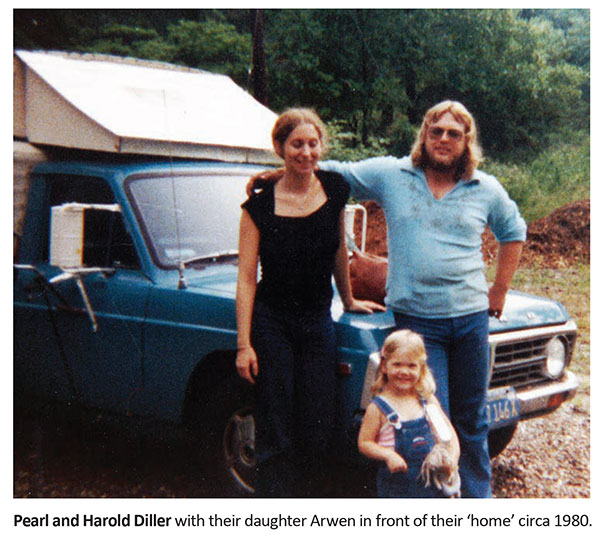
[(164, 339)]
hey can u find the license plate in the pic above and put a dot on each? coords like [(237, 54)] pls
[(502, 407)]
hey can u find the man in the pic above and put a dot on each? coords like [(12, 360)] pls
[(437, 205)]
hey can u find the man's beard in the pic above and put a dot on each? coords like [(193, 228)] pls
[(458, 163)]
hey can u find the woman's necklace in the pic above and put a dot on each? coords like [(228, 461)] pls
[(300, 202)]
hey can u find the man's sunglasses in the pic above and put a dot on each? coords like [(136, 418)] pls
[(438, 132)]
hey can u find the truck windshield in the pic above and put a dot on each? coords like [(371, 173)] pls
[(189, 217)]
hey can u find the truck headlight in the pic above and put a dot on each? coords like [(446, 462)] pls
[(556, 356)]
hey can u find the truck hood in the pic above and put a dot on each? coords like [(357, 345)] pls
[(524, 310), (521, 310)]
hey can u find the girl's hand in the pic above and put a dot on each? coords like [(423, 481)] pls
[(363, 306), (396, 463), (247, 363)]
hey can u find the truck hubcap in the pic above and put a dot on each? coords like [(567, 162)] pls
[(239, 448)]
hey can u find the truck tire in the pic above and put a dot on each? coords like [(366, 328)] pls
[(498, 439), (227, 434)]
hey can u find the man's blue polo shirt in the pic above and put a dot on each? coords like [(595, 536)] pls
[(436, 265)]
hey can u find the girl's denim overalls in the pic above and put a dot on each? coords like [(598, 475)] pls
[(413, 441)]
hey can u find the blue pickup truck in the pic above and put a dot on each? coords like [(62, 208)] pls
[(145, 325), (125, 262)]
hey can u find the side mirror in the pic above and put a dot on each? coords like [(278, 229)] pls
[(67, 232), (349, 215)]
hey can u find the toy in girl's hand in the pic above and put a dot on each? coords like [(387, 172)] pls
[(440, 469), (405, 427)]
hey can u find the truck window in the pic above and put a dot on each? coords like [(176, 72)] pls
[(188, 216), (107, 242)]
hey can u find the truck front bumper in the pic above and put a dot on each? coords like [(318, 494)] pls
[(506, 406), (544, 398)]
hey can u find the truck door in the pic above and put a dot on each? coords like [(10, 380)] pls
[(57, 349)]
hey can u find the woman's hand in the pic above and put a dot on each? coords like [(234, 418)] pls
[(247, 363), (396, 463), (363, 306)]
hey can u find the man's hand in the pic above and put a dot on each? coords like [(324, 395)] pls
[(497, 298), (508, 260), (264, 176)]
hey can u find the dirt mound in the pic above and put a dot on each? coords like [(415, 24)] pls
[(560, 239), (376, 242)]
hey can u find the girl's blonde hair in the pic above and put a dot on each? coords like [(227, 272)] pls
[(411, 345)]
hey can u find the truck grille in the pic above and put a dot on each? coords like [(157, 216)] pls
[(521, 363)]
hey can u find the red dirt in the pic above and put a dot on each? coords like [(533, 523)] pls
[(558, 240)]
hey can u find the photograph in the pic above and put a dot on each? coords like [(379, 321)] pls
[(318, 257)]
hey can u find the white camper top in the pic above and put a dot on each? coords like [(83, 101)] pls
[(123, 105)]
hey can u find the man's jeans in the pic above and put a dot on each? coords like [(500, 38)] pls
[(458, 356)]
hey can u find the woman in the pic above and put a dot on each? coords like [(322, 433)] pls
[(286, 341)]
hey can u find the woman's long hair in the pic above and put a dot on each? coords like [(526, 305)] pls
[(292, 118)]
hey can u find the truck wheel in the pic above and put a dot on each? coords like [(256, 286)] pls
[(239, 455), (498, 439), (227, 433)]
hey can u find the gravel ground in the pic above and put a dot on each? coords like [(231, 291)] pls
[(549, 457)]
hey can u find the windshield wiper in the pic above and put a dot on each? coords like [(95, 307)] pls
[(218, 256), (210, 258)]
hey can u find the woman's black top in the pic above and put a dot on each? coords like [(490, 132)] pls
[(297, 254)]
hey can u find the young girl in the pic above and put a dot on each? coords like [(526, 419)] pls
[(404, 422)]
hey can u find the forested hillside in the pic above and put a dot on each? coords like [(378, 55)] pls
[(371, 74)]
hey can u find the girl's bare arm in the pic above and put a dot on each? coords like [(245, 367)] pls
[(367, 445)]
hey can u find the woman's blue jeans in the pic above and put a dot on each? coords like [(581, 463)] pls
[(295, 389), (458, 356)]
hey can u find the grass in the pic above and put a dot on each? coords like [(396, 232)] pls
[(571, 287), (541, 184), (550, 180)]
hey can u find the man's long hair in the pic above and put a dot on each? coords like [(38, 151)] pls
[(473, 154)]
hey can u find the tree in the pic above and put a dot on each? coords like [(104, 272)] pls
[(258, 74), (525, 74)]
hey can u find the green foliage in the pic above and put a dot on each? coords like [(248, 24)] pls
[(207, 42), (524, 74), (374, 69), (212, 45), (123, 40), (555, 177), (344, 145)]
